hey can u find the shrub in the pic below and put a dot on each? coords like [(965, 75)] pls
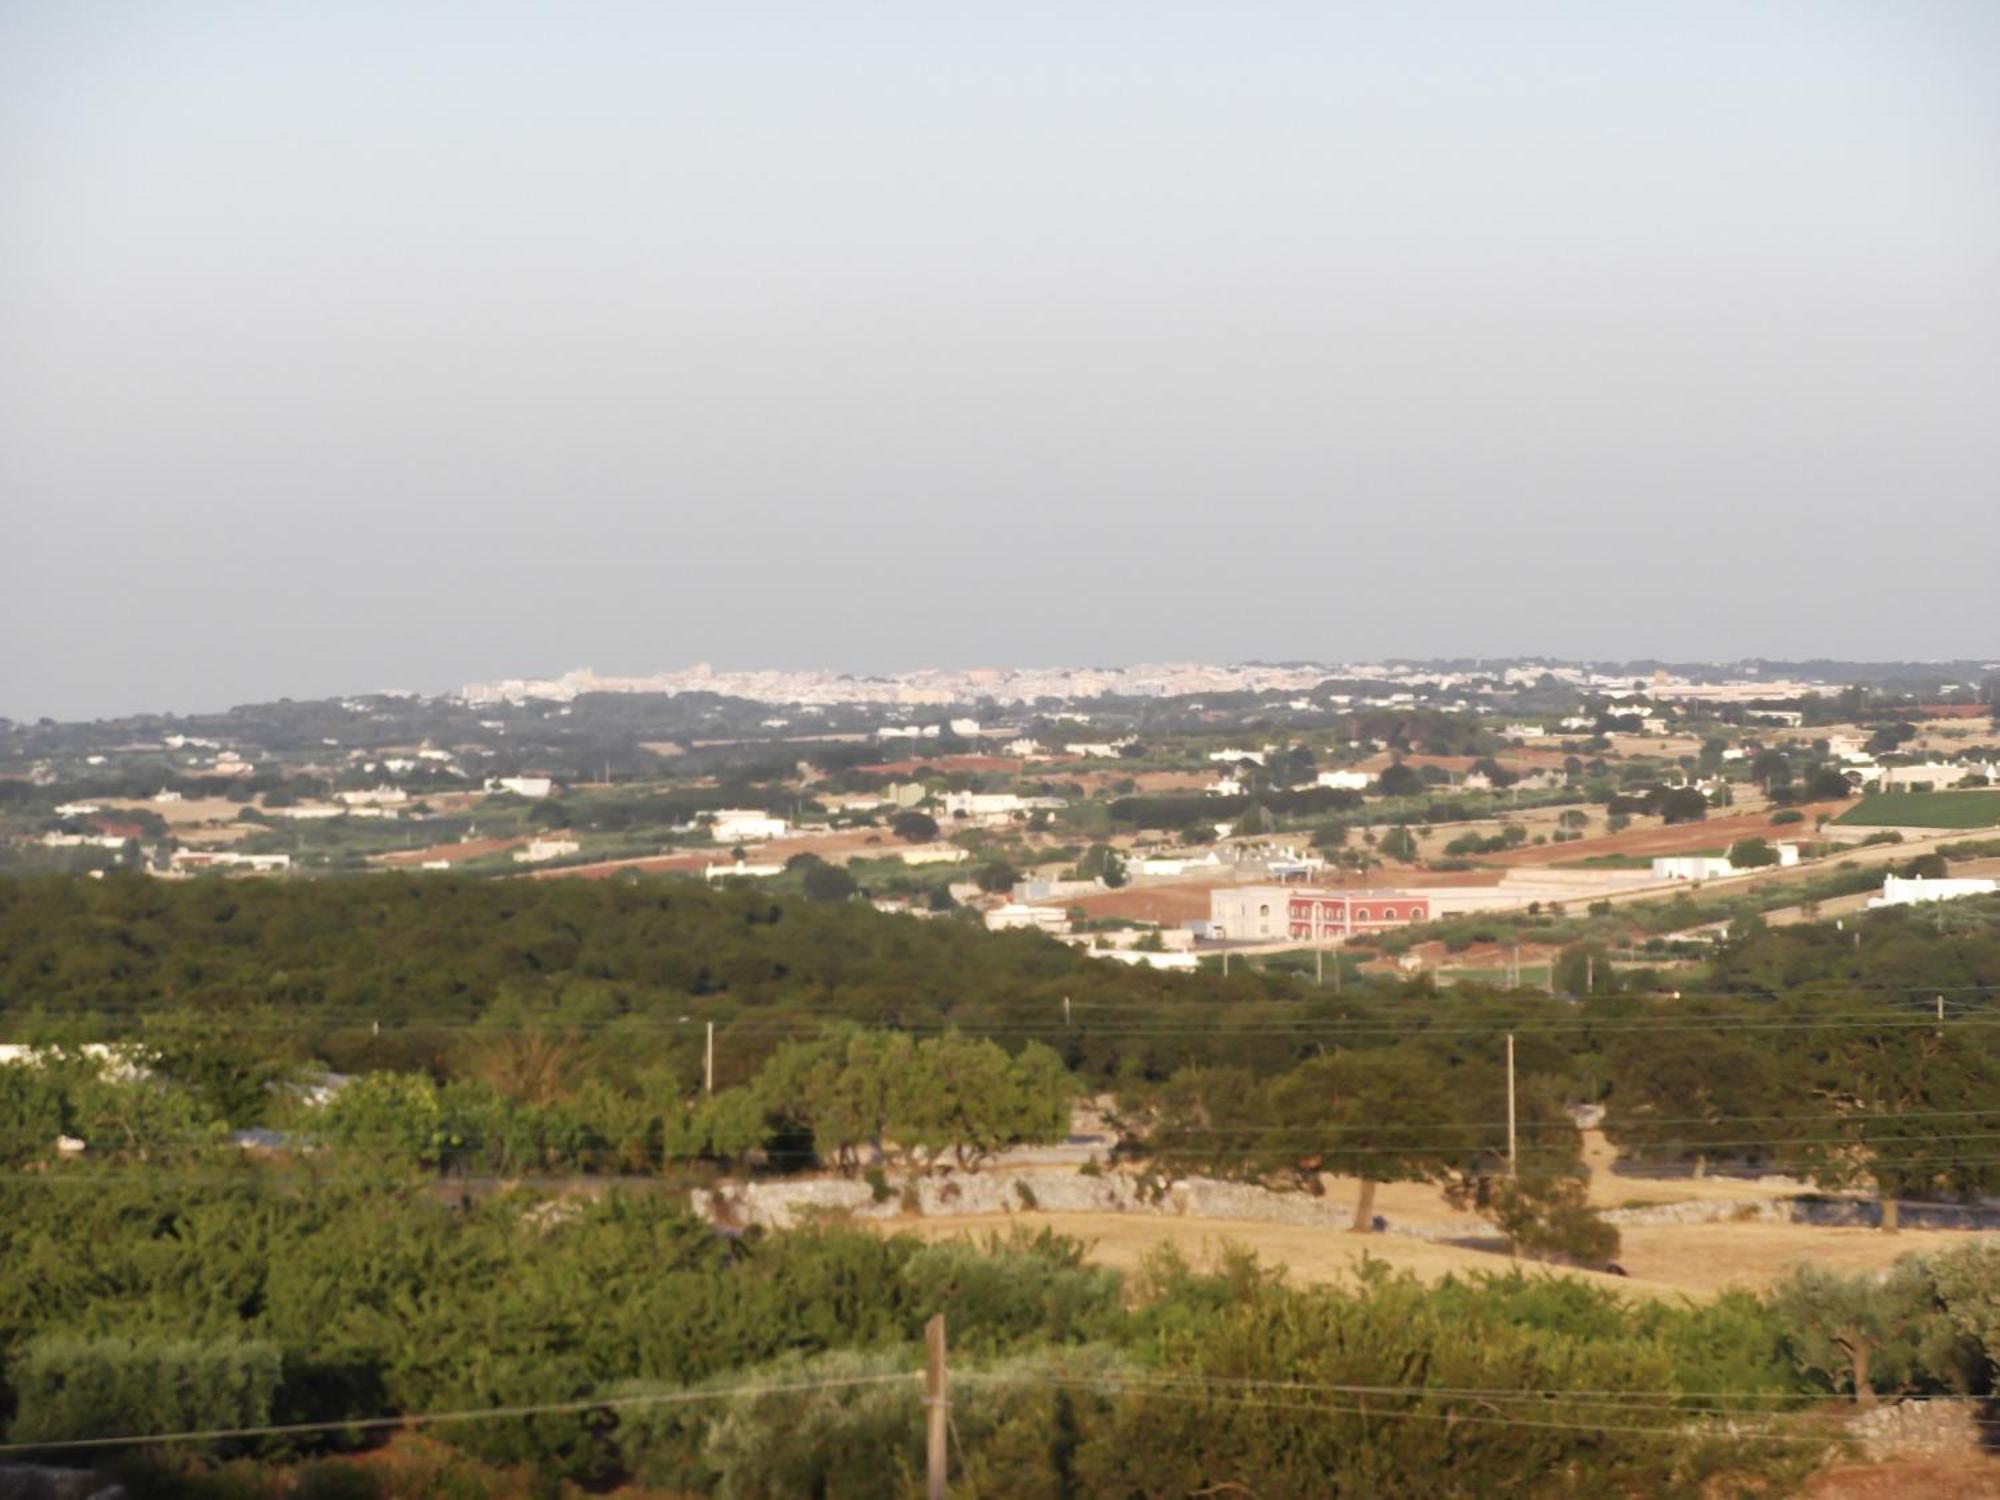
[(69, 1387)]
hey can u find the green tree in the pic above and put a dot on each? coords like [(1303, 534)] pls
[(1399, 780), (914, 827), (997, 877), (825, 882), (1879, 1091), (1683, 804), (1550, 1216), (1690, 1095), (1873, 1334), (1752, 854)]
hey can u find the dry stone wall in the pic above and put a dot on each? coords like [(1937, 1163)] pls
[(784, 1205)]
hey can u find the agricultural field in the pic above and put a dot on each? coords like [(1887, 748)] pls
[(1952, 809)]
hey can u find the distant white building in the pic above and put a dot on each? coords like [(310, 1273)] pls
[(1344, 781), (1236, 757), (77, 809), (375, 796), (1692, 867), (934, 854), (1056, 890), (994, 804), (1014, 914), (538, 850), (1098, 749), (1525, 732), (166, 794), (1897, 891), (83, 841), (1174, 864), (522, 786), (965, 729), (743, 868), (189, 860), (739, 825), (1023, 748), (1224, 786), (1147, 959)]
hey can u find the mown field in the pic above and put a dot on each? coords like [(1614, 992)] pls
[(1966, 809)]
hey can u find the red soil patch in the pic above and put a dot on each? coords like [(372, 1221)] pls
[(1679, 838), (1168, 905)]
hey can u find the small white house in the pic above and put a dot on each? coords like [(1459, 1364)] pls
[(1345, 781), (1897, 891), (538, 850), (1014, 914), (522, 786), (742, 868), (375, 796), (1692, 867), (738, 825)]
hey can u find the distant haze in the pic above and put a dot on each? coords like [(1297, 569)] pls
[(363, 345)]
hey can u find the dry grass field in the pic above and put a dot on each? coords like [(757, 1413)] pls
[(1673, 1260), (1681, 1260)]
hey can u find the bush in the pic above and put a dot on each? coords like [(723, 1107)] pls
[(1552, 1218), (68, 1387)]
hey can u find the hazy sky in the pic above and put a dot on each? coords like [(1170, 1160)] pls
[(354, 346)]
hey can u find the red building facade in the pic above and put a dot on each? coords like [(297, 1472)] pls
[(1324, 916)]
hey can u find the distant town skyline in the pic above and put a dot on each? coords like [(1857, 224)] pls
[(414, 345)]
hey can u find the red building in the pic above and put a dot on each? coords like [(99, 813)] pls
[(1324, 916)]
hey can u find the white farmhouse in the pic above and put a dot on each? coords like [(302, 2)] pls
[(740, 825), (1897, 891), (1049, 919), (1692, 867), (1344, 781), (538, 850), (521, 786)]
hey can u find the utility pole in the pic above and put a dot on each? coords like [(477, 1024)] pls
[(1065, 1010), (1590, 973), (1225, 963), (708, 1062), (937, 1411), (1940, 1014), (1513, 1160)]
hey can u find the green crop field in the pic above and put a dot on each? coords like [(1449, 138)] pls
[(1971, 809)]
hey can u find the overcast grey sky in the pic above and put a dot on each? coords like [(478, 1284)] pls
[(355, 346)]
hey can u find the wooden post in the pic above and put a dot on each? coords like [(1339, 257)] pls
[(1065, 1010), (708, 1062), (1513, 1166), (937, 1411)]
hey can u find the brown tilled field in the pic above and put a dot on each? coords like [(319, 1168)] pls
[(1679, 838)]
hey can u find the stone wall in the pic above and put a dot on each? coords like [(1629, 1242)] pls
[(1907, 1429), (785, 1204)]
